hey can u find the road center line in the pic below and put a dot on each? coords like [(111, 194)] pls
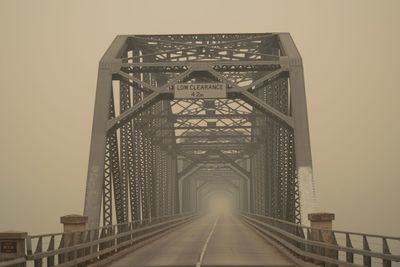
[(203, 251)]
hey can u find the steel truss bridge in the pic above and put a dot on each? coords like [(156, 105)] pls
[(158, 160), (154, 155)]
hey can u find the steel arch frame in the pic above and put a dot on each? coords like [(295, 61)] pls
[(137, 168)]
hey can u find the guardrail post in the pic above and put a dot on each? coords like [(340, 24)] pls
[(386, 250), (349, 255), (12, 246), (72, 224), (366, 259), (321, 227)]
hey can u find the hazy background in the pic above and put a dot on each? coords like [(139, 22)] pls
[(49, 53)]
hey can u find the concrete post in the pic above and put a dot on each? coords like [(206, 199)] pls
[(12, 246), (323, 221), (73, 223)]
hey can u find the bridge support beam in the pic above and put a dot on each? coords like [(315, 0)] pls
[(300, 126), (94, 183)]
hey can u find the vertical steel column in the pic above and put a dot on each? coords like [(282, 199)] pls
[(260, 159), (301, 129), (293, 207), (111, 174), (256, 187), (148, 174), (156, 175), (257, 181), (147, 163), (94, 182), (164, 184), (115, 166), (126, 144), (141, 173), (281, 172), (116, 173), (252, 185), (175, 191), (263, 182), (172, 182), (157, 183), (136, 194), (134, 182), (107, 188)]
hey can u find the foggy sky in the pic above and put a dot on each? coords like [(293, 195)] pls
[(49, 54)]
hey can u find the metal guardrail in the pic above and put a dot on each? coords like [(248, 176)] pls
[(305, 245), (309, 246), (14, 262), (93, 245)]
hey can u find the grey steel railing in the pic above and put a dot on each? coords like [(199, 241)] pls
[(15, 262), (309, 246), (93, 245)]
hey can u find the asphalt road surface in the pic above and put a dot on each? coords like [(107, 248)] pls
[(209, 241)]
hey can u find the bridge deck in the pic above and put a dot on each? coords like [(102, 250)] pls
[(225, 240)]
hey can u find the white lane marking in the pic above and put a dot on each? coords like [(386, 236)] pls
[(203, 251)]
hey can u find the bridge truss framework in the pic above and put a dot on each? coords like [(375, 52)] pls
[(151, 154)]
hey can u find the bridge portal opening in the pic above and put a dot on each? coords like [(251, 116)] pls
[(219, 202), (177, 116)]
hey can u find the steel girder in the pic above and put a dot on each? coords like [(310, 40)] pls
[(139, 130)]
